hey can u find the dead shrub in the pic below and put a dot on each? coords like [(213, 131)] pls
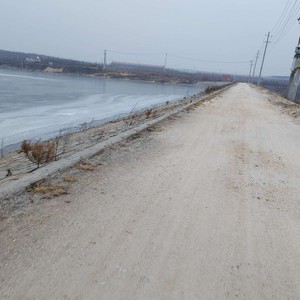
[(134, 116), (69, 178), (39, 152)]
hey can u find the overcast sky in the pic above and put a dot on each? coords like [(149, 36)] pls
[(206, 30)]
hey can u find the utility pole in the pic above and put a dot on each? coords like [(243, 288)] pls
[(166, 59), (104, 60), (234, 77), (295, 75), (255, 64), (263, 60), (251, 65)]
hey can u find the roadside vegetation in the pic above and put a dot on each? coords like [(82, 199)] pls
[(39, 152)]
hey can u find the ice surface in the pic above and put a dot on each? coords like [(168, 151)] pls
[(38, 105)]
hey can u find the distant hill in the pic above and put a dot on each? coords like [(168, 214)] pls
[(32, 61), (39, 62)]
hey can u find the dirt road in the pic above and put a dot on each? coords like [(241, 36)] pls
[(207, 208)]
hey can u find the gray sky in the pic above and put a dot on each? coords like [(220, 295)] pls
[(208, 30)]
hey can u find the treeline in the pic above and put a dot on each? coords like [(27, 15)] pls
[(31, 61), (161, 74)]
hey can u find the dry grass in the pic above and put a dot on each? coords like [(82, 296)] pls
[(149, 112), (155, 114), (155, 128), (173, 118), (69, 178), (192, 107), (124, 144), (112, 146), (85, 166), (200, 103), (134, 137), (293, 109), (48, 189)]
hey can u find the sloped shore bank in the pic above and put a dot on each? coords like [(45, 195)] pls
[(76, 147)]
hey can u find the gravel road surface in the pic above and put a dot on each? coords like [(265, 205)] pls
[(205, 207)]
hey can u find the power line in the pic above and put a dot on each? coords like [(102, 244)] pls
[(281, 36), (276, 27), (209, 61), (292, 16), (178, 57), (135, 53), (288, 18), (294, 10), (289, 25)]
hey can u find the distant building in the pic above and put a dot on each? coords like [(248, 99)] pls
[(33, 59)]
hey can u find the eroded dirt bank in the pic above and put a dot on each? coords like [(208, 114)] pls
[(206, 206)]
